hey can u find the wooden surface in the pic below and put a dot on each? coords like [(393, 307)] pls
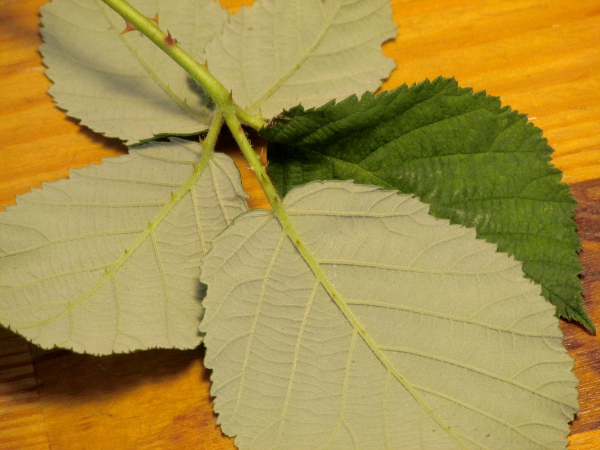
[(540, 57)]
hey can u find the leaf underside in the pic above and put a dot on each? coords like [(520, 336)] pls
[(108, 261), (476, 163), (459, 350), (279, 53), (122, 85)]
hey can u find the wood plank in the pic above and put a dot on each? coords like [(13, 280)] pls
[(151, 399), (21, 418), (540, 57)]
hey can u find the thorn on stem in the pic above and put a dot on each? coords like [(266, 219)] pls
[(169, 40), (130, 27)]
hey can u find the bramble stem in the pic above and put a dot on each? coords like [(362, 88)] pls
[(198, 71), (234, 125), (231, 113)]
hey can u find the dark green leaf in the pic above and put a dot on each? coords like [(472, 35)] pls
[(477, 163)]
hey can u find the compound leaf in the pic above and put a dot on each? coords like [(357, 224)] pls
[(108, 261), (399, 330), (280, 52), (122, 85), (477, 163)]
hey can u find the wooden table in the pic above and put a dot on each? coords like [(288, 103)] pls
[(542, 57)]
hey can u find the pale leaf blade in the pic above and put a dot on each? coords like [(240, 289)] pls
[(279, 53), (122, 85), (459, 349), (108, 260)]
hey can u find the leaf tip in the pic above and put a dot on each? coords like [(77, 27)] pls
[(584, 319)]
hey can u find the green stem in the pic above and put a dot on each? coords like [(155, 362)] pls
[(235, 126), (255, 121), (209, 142), (198, 71), (227, 110), (231, 112)]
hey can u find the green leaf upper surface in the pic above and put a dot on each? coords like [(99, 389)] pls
[(281, 52), (477, 164), (399, 331), (108, 261), (122, 85)]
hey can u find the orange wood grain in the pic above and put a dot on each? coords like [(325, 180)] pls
[(542, 57)]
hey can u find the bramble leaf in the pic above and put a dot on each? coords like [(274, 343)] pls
[(477, 163), (280, 52), (410, 332), (108, 261), (122, 85)]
